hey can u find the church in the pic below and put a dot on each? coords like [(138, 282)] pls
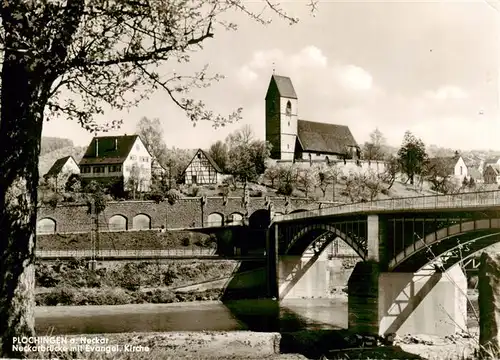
[(294, 139)]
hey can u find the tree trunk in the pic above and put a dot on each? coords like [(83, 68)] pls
[(21, 122)]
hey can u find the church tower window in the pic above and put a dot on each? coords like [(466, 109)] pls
[(288, 108)]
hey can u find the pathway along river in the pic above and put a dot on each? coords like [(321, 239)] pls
[(255, 315)]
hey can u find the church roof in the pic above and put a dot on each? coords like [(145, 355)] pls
[(284, 86), (324, 138)]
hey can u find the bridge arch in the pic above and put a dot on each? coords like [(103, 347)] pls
[(297, 211), (260, 219), (480, 233), (235, 218), (358, 248), (215, 219), (141, 222), (46, 225), (118, 222)]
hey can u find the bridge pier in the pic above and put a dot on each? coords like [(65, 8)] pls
[(427, 302), (303, 276)]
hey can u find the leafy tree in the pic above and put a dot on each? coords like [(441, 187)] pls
[(177, 161), (246, 157), (76, 59), (391, 171), (412, 156), (307, 179), (472, 183), (287, 179), (73, 184), (151, 133), (375, 148), (272, 174), (218, 152), (327, 175)]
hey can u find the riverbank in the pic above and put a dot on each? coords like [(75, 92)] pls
[(73, 283)]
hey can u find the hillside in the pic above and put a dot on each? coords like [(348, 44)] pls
[(47, 159)]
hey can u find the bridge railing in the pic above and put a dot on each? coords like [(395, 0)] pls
[(472, 199), (64, 254)]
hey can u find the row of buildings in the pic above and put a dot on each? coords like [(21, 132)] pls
[(126, 159)]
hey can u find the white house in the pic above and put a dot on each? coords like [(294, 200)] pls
[(61, 170), (118, 159), (453, 166)]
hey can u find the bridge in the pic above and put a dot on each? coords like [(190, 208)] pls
[(409, 250)]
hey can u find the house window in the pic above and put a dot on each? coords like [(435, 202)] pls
[(461, 170), (98, 169), (199, 156), (193, 179), (111, 168), (288, 122), (133, 157), (318, 155), (288, 108), (138, 147), (288, 146)]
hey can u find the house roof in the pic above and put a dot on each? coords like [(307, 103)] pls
[(209, 158), (107, 153), (323, 137), (448, 162), (58, 165), (284, 86), (495, 167)]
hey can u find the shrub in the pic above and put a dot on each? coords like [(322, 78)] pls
[(385, 191), (172, 196), (285, 189), (186, 241), (191, 191)]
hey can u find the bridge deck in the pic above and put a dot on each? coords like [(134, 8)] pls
[(455, 202)]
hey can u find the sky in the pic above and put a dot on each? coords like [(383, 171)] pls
[(429, 67)]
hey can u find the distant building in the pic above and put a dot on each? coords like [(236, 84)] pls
[(475, 174), (61, 170), (491, 174), (202, 170), (157, 169), (122, 160), (453, 166), (294, 139)]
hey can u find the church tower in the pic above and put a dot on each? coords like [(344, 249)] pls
[(281, 118)]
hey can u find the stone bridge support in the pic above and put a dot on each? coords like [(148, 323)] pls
[(382, 303)]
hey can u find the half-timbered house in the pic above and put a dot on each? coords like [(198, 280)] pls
[(202, 170)]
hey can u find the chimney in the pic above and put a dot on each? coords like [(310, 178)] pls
[(96, 147), (116, 143)]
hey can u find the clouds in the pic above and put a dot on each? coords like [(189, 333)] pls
[(447, 92), (354, 78), (333, 91)]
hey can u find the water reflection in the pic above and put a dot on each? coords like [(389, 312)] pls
[(255, 315)]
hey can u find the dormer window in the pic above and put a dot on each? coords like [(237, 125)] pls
[(288, 108)]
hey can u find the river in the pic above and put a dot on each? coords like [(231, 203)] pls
[(255, 315)]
